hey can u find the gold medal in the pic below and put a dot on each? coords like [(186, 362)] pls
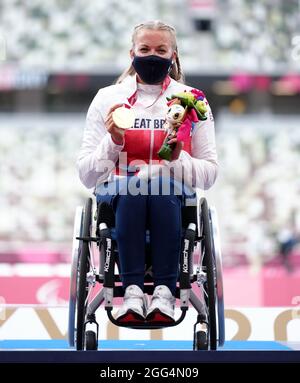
[(123, 117)]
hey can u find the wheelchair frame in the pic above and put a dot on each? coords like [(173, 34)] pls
[(201, 232)]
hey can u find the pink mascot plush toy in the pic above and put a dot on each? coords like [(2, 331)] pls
[(185, 109)]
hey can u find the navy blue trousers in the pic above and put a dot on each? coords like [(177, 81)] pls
[(154, 204)]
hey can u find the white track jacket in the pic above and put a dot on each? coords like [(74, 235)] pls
[(99, 155)]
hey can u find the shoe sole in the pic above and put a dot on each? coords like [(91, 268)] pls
[(158, 317), (131, 317)]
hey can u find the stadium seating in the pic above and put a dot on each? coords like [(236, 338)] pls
[(91, 36)]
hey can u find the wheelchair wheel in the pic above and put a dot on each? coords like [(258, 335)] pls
[(208, 262), (74, 270), (219, 275), (200, 341), (83, 269), (91, 340)]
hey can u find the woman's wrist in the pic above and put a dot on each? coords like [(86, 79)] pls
[(117, 140)]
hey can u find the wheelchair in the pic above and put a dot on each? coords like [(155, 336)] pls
[(199, 284)]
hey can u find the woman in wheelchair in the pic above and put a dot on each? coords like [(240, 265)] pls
[(126, 171)]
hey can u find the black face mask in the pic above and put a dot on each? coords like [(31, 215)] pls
[(152, 69)]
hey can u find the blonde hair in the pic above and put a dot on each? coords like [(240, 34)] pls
[(176, 72)]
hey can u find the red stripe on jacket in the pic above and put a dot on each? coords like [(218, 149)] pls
[(138, 146)]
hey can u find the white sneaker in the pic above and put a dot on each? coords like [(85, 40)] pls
[(134, 306), (162, 306)]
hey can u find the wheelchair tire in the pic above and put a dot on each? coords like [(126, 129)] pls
[(82, 285), (209, 263), (74, 272), (200, 341), (91, 340), (219, 276)]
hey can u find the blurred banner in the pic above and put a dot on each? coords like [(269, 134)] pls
[(259, 324)]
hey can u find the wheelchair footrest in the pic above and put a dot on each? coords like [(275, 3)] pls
[(146, 325), (158, 318), (131, 318)]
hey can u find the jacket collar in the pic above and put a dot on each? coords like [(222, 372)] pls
[(130, 83)]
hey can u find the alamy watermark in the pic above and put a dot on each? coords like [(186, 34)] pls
[(158, 178)]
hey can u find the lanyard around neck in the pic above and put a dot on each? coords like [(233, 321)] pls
[(133, 98)]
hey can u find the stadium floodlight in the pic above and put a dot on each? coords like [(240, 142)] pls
[(2, 48)]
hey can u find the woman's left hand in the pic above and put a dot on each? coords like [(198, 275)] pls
[(177, 149)]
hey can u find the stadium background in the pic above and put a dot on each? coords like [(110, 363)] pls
[(245, 55)]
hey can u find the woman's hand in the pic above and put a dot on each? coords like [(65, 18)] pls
[(117, 134), (177, 149)]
